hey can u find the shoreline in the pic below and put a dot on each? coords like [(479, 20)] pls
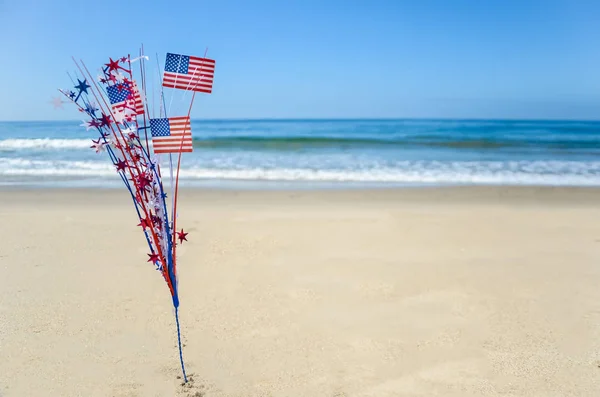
[(408, 194), (12, 182)]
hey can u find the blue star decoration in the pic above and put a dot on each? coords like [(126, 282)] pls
[(82, 87)]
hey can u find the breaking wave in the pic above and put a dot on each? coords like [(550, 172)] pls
[(44, 143), (591, 143), (556, 173)]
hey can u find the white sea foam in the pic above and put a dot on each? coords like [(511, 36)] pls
[(507, 173), (44, 143)]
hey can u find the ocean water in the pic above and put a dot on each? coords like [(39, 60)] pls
[(318, 153)]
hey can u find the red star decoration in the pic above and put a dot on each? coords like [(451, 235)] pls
[(112, 65), (153, 258), (121, 165), (124, 59), (120, 87), (142, 181), (105, 121), (145, 223), (181, 236), (132, 135), (94, 123)]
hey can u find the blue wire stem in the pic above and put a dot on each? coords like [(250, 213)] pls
[(179, 341)]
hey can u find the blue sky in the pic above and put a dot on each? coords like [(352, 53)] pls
[(324, 58)]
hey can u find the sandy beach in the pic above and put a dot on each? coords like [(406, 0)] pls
[(365, 293)]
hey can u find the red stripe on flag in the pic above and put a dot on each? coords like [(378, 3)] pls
[(199, 78), (180, 139)]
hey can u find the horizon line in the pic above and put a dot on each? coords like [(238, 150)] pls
[(344, 119)]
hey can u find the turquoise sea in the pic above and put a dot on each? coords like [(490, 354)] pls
[(319, 153)]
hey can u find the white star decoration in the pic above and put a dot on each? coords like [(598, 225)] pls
[(119, 116), (92, 106), (57, 103), (113, 141), (99, 147), (118, 75)]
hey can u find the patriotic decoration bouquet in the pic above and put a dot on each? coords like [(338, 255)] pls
[(141, 147)]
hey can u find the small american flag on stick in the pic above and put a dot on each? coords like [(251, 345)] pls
[(167, 134), (120, 97), (189, 73)]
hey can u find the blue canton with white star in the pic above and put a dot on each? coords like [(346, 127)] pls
[(116, 95), (160, 127), (177, 63)]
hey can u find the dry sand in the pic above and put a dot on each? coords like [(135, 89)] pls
[(428, 292)]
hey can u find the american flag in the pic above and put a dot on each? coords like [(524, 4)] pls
[(189, 73), (167, 134), (119, 98)]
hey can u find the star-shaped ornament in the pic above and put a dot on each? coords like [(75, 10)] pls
[(105, 120), (112, 65), (91, 109), (57, 103), (119, 116), (87, 124), (98, 146), (181, 236), (119, 77), (142, 181), (146, 222), (82, 86), (121, 165), (113, 141)]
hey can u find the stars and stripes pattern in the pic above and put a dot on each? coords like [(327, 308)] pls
[(120, 98), (171, 135), (189, 73)]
